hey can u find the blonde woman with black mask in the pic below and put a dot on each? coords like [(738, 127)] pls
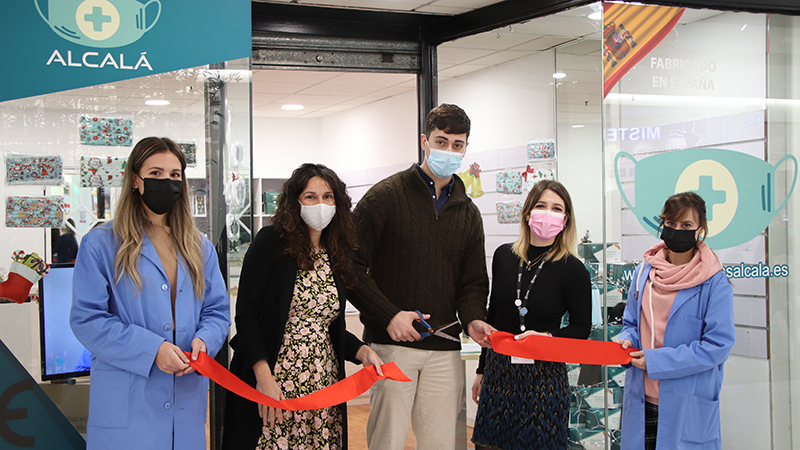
[(146, 288)]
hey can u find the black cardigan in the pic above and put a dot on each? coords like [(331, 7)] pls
[(266, 286)]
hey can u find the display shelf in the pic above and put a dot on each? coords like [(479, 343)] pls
[(261, 188)]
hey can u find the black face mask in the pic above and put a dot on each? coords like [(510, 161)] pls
[(679, 241), (160, 194)]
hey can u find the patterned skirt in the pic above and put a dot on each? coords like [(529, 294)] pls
[(523, 406)]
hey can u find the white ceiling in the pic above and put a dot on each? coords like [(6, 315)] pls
[(324, 93)]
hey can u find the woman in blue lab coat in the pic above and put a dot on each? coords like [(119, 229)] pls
[(147, 287), (680, 315)]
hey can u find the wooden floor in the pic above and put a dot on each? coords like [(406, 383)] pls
[(357, 430)]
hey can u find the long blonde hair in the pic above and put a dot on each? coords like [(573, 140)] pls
[(566, 241), (130, 217)]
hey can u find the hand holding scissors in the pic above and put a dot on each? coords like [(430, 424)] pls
[(426, 330)]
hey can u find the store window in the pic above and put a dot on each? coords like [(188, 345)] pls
[(714, 96), (86, 135)]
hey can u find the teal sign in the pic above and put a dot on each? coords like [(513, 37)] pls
[(739, 190), (67, 44), (28, 418)]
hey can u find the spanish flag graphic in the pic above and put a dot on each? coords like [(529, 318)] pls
[(630, 32)]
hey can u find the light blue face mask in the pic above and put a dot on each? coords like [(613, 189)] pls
[(444, 164)]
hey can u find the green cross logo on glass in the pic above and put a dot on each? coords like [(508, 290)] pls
[(100, 23), (739, 190)]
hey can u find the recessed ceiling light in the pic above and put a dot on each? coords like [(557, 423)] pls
[(157, 102), (578, 126), (597, 15), (292, 107), (559, 75)]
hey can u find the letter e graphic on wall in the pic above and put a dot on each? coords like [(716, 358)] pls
[(28, 418)]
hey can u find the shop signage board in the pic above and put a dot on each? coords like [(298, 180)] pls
[(57, 45)]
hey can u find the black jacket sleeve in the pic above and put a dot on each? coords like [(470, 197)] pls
[(254, 279)]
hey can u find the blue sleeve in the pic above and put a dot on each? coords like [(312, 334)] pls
[(630, 319), (126, 346), (711, 350), (215, 316)]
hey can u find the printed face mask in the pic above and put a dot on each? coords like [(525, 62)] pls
[(317, 216), (160, 194), (546, 225), (444, 164), (679, 241)]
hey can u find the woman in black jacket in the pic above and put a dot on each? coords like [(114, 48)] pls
[(291, 337)]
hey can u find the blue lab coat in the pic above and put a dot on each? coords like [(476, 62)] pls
[(133, 404), (697, 341)]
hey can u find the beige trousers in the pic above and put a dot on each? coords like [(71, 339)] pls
[(431, 401)]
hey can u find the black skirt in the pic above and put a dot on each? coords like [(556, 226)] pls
[(523, 406)]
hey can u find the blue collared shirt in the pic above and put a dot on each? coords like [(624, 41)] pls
[(444, 195)]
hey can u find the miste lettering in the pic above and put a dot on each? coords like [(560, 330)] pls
[(633, 134), (90, 59)]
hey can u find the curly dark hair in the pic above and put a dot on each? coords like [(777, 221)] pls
[(339, 238)]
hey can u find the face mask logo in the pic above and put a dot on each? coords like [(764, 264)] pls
[(739, 190), (317, 216), (100, 23), (546, 225), (444, 164), (160, 194)]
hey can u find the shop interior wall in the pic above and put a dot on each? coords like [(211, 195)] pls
[(379, 134)]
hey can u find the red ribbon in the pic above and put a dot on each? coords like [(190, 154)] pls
[(546, 348), (335, 394)]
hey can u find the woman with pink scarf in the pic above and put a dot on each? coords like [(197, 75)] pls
[(680, 315)]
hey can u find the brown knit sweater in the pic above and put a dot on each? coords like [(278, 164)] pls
[(413, 257)]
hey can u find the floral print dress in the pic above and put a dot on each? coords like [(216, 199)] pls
[(306, 363)]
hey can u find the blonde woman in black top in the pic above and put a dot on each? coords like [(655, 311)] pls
[(524, 404)]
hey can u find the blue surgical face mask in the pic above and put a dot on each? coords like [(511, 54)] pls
[(444, 164)]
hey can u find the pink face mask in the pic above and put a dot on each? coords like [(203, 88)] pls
[(546, 225)]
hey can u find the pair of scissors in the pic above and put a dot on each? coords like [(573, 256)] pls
[(425, 329)]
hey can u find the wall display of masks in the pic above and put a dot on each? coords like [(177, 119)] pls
[(189, 150), (34, 212), (102, 171), (508, 182), (537, 172), (107, 131), (508, 212), (541, 150), (36, 170)]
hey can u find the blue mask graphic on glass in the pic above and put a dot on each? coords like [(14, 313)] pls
[(99, 23), (739, 190)]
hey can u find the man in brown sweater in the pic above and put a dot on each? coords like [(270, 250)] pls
[(421, 248)]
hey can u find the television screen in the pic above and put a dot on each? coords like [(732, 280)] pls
[(62, 355)]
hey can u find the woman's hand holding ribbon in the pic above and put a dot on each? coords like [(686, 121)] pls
[(266, 384), (368, 357)]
